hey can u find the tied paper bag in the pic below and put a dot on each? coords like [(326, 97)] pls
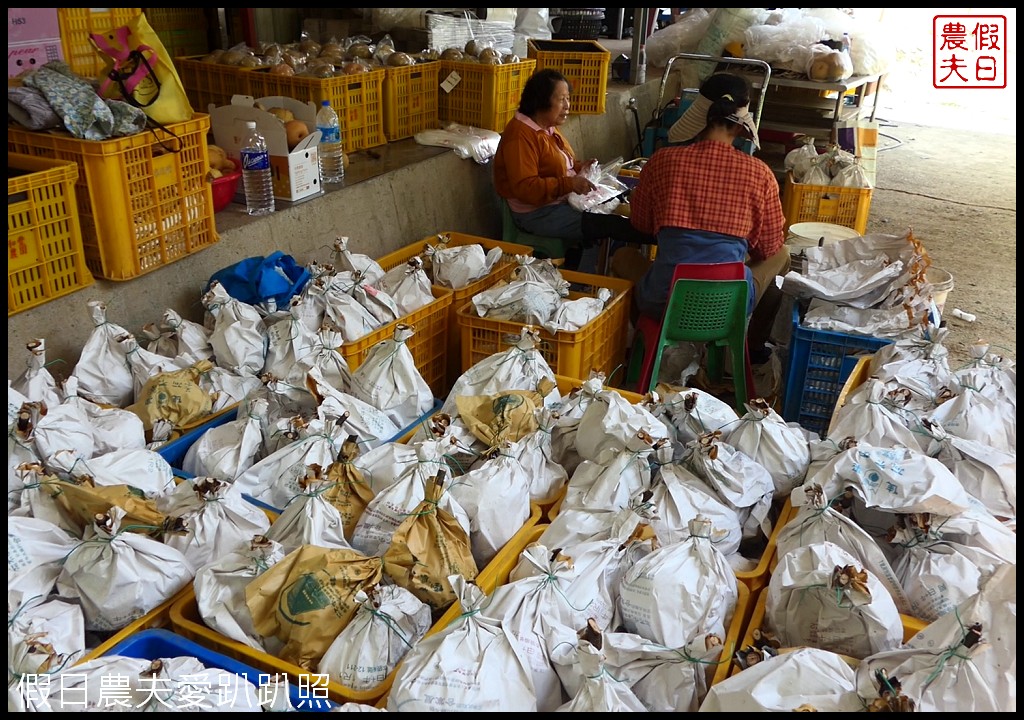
[(139, 71), (427, 548), (309, 597)]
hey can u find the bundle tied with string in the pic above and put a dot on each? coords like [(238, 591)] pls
[(309, 597), (308, 518), (817, 596), (348, 492), (118, 574), (819, 519), (439, 670), (44, 638), (506, 417), (389, 380), (429, 546), (388, 622)]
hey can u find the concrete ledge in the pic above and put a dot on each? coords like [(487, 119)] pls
[(405, 194)]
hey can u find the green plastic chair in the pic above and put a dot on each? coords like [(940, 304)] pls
[(712, 312), (544, 246)]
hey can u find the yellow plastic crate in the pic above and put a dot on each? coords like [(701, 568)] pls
[(76, 24), (143, 200), (183, 31), (845, 206), (358, 100), (486, 96), (429, 343), (585, 64), (187, 622), (599, 346), (211, 83), (45, 257), (461, 296), (410, 99), (861, 372), (159, 617)]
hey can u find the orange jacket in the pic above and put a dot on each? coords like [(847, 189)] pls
[(528, 165)]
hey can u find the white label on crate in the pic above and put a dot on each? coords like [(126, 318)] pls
[(451, 81)]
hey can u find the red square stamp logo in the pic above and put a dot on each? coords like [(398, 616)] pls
[(969, 51)]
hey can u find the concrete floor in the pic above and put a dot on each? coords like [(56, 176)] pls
[(956, 188)]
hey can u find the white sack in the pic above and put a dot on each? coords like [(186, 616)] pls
[(472, 665), (389, 380), (388, 623), (813, 599), (763, 436), (118, 576), (102, 368), (238, 335)]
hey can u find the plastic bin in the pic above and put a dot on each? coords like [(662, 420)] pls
[(45, 256), (143, 200), (429, 343), (186, 621), (211, 83), (183, 31), (76, 24), (410, 99), (463, 295), (159, 644), (486, 96), (358, 100), (820, 361), (600, 345), (826, 203), (585, 64)]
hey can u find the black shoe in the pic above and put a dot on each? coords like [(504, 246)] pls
[(760, 355)]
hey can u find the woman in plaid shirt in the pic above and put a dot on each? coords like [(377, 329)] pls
[(708, 202)]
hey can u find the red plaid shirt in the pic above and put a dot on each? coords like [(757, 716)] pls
[(713, 187)]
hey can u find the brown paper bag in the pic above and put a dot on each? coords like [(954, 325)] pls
[(506, 417), (80, 503), (308, 598), (350, 492), (176, 397), (427, 547)]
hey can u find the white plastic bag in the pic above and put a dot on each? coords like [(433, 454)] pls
[(102, 369), (408, 285), (238, 335), (363, 265)]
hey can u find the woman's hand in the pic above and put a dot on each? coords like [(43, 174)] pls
[(581, 186)]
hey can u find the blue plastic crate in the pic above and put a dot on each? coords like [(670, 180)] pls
[(820, 361), (157, 643)]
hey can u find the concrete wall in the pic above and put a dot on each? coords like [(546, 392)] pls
[(427, 191)]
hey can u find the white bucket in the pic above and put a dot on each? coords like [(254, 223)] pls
[(809, 234), (941, 282)]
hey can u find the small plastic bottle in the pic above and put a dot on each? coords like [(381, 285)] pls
[(332, 161), (257, 179)]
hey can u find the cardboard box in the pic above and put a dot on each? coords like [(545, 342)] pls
[(296, 173)]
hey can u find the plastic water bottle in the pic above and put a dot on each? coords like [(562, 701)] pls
[(332, 161), (256, 176)]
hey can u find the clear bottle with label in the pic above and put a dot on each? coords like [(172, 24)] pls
[(257, 179), (332, 157)]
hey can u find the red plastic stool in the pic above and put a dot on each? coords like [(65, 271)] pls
[(648, 329)]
